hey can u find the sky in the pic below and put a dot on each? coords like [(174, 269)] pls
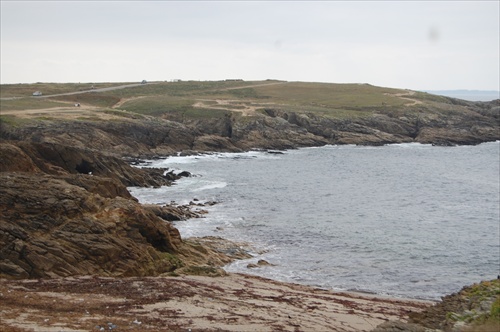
[(420, 45)]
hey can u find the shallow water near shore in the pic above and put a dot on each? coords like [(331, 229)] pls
[(406, 220)]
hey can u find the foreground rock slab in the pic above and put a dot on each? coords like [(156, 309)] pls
[(234, 302)]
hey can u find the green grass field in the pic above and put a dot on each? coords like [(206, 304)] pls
[(29, 103), (213, 99), (26, 90)]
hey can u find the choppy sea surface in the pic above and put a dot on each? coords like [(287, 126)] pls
[(406, 220)]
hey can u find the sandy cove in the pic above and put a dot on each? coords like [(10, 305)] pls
[(235, 302)]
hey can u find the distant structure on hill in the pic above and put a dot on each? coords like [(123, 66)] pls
[(37, 93)]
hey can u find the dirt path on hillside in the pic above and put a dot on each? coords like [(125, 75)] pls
[(111, 88), (125, 100), (73, 112), (404, 95), (69, 112), (245, 108)]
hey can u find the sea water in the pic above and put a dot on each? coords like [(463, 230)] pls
[(406, 220)]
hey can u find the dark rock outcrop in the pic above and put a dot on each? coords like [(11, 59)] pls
[(171, 213), (57, 219), (470, 123), (449, 124), (50, 227), (58, 159), (135, 138)]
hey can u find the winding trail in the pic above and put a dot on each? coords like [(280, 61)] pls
[(404, 96), (111, 88), (245, 108)]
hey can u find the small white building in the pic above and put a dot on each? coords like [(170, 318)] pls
[(37, 93)]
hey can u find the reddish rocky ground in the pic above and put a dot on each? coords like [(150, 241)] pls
[(189, 303)]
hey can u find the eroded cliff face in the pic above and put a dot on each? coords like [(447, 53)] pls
[(470, 123), (50, 227), (60, 216), (467, 123)]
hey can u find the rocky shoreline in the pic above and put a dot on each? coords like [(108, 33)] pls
[(61, 227), (67, 211), (233, 302), (66, 214), (126, 135)]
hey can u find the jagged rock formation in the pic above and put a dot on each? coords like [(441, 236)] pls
[(472, 123), (50, 228), (59, 159), (467, 123), (57, 219)]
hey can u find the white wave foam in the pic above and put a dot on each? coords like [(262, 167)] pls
[(214, 185), (409, 145), (183, 160)]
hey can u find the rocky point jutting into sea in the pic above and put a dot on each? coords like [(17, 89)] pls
[(66, 215)]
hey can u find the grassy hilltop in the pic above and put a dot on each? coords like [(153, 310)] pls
[(210, 98), (260, 114)]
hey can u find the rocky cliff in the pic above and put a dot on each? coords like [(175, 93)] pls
[(472, 123), (64, 206), (274, 128), (51, 227), (66, 211)]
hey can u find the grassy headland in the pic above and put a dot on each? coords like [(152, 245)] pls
[(328, 112), (160, 98)]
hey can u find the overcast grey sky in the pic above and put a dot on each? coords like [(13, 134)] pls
[(415, 45)]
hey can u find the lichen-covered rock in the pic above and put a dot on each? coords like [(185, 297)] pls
[(474, 308)]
